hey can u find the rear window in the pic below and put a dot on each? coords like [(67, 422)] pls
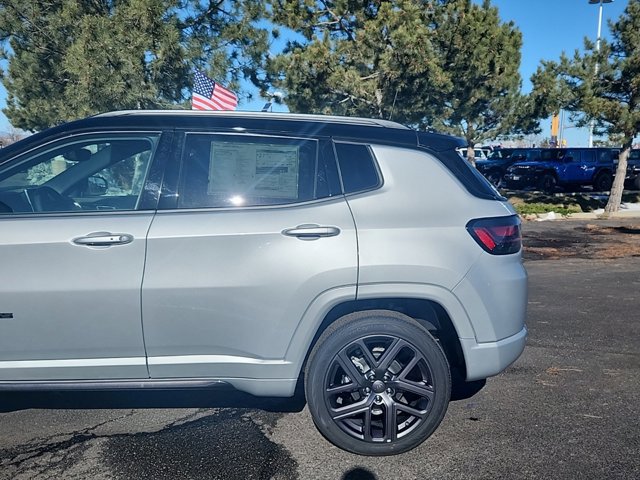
[(357, 167), (472, 180)]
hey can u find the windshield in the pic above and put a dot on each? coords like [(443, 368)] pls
[(499, 154), (519, 155)]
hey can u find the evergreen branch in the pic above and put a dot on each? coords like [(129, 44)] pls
[(369, 77), (339, 20)]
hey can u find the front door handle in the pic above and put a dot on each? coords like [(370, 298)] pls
[(103, 239), (311, 231)]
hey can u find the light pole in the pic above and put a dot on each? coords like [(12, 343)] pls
[(600, 3)]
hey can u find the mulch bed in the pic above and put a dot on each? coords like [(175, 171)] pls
[(590, 241)]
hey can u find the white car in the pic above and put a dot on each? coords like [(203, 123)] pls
[(180, 249), (478, 153)]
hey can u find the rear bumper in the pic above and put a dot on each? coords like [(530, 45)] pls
[(632, 175), (487, 359)]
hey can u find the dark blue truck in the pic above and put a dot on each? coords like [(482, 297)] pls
[(495, 166), (566, 168), (633, 170)]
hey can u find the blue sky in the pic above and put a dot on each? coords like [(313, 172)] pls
[(548, 28)]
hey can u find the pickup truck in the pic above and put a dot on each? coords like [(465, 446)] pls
[(495, 166), (633, 170), (565, 167)]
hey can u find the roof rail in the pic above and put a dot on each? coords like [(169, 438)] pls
[(266, 115)]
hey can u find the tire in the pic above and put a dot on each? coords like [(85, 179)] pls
[(548, 183), (636, 183), (603, 182), (377, 383), (495, 177)]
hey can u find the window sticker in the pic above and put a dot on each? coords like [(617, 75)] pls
[(261, 170)]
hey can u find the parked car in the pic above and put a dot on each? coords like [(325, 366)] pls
[(566, 168), (633, 169), (495, 166), (478, 153), (179, 249)]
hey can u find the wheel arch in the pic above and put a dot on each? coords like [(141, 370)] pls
[(539, 182), (495, 171), (433, 314), (600, 172)]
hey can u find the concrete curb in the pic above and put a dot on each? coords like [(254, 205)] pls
[(599, 215), (595, 215)]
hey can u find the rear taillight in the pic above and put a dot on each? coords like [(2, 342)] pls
[(498, 235)]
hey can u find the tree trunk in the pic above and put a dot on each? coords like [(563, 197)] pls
[(379, 97), (471, 154), (615, 196)]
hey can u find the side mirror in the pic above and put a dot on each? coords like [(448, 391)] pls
[(78, 155), (96, 186)]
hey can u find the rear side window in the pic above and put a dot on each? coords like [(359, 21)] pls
[(607, 156), (357, 167), (239, 171), (588, 156)]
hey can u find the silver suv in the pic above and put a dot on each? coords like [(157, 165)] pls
[(178, 249)]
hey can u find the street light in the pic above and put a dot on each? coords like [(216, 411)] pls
[(601, 3)]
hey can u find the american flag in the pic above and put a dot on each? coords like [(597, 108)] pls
[(209, 95)]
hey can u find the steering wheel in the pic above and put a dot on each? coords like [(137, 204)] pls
[(46, 199)]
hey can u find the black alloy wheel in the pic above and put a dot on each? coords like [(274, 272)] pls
[(603, 182), (495, 177), (548, 183), (377, 383)]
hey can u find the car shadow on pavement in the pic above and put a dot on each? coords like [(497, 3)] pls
[(359, 473), (128, 399), (220, 397), (461, 389)]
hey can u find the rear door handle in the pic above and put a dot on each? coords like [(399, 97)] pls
[(103, 239), (311, 231)]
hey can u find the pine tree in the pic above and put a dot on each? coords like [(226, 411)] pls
[(357, 57), (480, 56), (71, 58), (451, 65), (601, 86)]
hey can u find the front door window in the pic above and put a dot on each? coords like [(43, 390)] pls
[(105, 173)]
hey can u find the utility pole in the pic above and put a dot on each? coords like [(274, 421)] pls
[(600, 3)]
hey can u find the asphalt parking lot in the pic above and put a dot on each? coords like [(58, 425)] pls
[(568, 408)]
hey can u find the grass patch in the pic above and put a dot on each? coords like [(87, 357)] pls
[(530, 203), (536, 207), (631, 197)]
